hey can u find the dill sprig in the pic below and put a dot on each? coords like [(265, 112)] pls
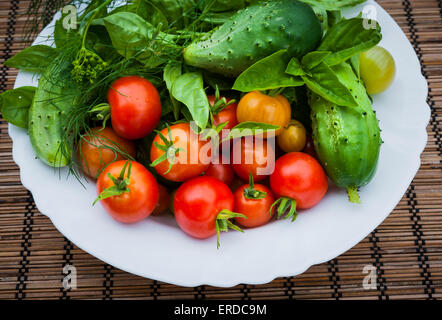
[(85, 95)]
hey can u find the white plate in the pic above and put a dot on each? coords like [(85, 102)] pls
[(156, 248)]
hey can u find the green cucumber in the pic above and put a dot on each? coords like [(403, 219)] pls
[(47, 116), (255, 33), (347, 139)]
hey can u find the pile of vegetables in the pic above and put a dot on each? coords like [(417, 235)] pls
[(177, 105)]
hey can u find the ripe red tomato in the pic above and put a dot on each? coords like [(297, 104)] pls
[(135, 107), (254, 201), (163, 201), (99, 147), (253, 155), (200, 204), (228, 114), (183, 144), (138, 187), (221, 170), (300, 177)]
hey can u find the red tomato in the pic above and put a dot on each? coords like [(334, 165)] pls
[(163, 201), (255, 203), (187, 150), (135, 107), (99, 147), (253, 155), (221, 170), (139, 196), (228, 114), (198, 203), (300, 177)]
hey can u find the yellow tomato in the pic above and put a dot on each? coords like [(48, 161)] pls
[(293, 137), (377, 69), (258, 107)]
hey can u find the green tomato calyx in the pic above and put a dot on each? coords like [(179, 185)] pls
[(170, 150), (121, 184), (251, 192), (285, 204), (223, 223)]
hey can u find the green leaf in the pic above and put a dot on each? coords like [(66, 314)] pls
[(15, 104), (325, 83), (312, 59), (32, 59), (355, 62), (322, 15), (152, 13), (132, 36), (189, 89), (62, 36), (267, 74), (171, 73), (334, 17), (349, 38), (245, 129), (295, 68), (333, 4)]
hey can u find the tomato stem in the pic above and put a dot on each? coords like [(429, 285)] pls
[(121, 184), (220, 103), (170, 151), (223, 223), (102, 112), (284, 205), (275, 92), (353, 195), (251, 192)]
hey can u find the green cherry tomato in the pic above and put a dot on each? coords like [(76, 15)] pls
[(377, 69)]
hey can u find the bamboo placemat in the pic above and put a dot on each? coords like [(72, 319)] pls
[(405, 251)]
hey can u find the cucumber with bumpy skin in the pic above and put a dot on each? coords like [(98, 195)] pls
[(47, 117), (255, 33), (347, 139)]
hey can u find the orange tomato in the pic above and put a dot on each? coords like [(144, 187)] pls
[(293, 137), (258, 107), (99, 147)]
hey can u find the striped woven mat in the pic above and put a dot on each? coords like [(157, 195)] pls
[(405, 251)]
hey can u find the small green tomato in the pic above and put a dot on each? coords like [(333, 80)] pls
[(378, 69)]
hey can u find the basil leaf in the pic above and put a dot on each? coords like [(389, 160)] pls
[(349, 38), (355, 62), (325, 83), (245, 129), (152, 13), (15, 104), (32, 59), (171, 73), (312, 59), (266, 74), (322, 15), (334, 17), (132, 36), (333, 4), (189, 89), (295, 68), (62, 36)]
